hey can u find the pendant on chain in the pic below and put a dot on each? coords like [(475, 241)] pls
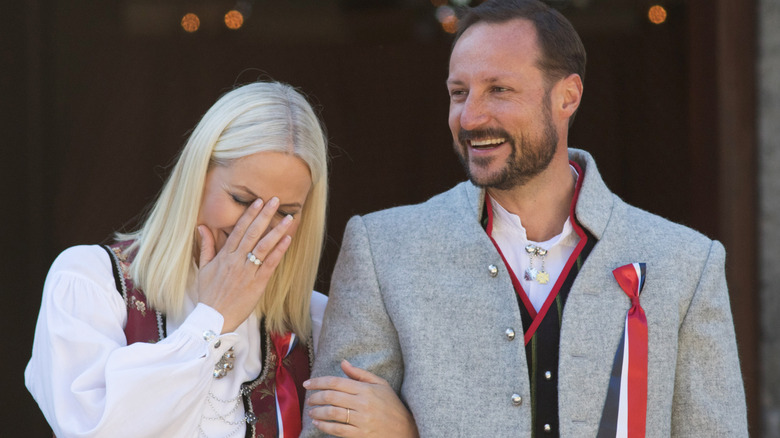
[(533, 274)]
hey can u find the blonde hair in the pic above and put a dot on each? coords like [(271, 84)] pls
[(258, 117)]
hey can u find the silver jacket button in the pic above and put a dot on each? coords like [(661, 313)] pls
[(510, 334), (517, 400), (493, 269), (547, 428), (547, 375)]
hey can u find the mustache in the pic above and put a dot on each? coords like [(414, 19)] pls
[(465, 135)]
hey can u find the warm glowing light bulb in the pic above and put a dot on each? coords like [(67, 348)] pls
[(190, 22), (657, 14), (234, 19), (447, 18), (450, 24)]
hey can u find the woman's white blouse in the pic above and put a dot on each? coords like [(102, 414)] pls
[(88, 382)]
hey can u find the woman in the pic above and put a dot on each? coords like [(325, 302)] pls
[(203, 321)]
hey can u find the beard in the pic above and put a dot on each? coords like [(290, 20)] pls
[(529, 156)]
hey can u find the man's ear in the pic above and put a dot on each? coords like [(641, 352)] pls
[(567, 95)]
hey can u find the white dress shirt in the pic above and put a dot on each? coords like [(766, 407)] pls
[(509, 234), (88, 382)]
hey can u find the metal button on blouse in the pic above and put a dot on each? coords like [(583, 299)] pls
[(493, 269), (547, 428), (510, 334), (547, 375), (517, 400)]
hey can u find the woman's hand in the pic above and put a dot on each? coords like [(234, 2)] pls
[(228, 281), (362, 406)]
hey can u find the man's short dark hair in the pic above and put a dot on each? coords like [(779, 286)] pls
[(562, 52)]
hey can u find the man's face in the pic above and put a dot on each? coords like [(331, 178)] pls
[(500, 108)]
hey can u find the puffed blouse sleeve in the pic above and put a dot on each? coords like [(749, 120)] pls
[(85, 378)]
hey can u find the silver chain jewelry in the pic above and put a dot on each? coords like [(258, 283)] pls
[(532, 274), (224, 418), (203, 433)]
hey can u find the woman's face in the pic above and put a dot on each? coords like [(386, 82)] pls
[(230, 189)]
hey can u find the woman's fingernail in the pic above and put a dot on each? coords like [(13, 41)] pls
[(274, 202), (287, 219), (306, 384), (258, 203)]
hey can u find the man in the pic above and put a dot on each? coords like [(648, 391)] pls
[(530, 301)]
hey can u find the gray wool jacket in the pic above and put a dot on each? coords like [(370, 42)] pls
[(413, 301)]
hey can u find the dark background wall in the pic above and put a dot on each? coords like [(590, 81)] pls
[(97, 98)]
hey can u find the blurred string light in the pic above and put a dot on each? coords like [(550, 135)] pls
[(657, 14), (190, 22), (446, 15), (447, 18), (234, 19)]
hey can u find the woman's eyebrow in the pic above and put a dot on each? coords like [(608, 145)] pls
[(288, 205)]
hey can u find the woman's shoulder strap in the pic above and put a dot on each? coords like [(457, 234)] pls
[(119, 277)]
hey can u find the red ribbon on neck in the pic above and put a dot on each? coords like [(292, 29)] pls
[(286, 390), (631, 279)]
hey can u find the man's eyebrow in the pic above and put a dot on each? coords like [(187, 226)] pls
[(490, 80)]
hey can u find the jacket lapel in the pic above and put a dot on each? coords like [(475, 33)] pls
[(594, 318)]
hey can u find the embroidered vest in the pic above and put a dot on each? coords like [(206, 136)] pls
[(541, 352), (542, 332), (259, 395)]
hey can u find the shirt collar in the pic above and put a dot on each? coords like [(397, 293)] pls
[(508, 223)]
